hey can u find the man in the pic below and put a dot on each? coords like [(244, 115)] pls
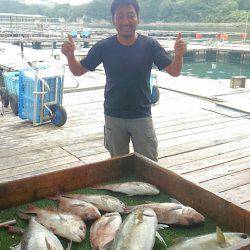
[(127, 59)]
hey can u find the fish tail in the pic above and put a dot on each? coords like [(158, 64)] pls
[(22, 215), (49, 247)]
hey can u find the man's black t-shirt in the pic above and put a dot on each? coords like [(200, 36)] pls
[(128, 70)]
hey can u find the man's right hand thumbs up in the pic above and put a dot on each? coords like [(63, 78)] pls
[(68, 47), (70, 39), (179, 36)]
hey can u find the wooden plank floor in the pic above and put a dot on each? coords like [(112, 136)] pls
[(206, 147)]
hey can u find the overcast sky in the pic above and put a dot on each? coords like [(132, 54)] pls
[(72, 2)]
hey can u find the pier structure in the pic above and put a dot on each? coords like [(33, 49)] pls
[(198, 50)]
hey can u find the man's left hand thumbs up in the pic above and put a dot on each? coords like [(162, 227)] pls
[(180, 46)]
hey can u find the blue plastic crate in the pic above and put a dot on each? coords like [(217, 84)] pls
[(153, 81), (11, 81), (27, 99), (85, 34), (73, 34)]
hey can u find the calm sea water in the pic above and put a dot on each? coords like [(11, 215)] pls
[(215, 70)]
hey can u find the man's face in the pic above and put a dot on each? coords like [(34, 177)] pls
[(125, 21)]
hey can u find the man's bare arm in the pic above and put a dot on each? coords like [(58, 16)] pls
[(174, 69), (75, 67)]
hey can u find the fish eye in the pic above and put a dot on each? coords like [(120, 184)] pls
[(244, 236), (81, 228)]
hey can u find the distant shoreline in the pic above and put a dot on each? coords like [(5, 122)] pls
[(226, 27)]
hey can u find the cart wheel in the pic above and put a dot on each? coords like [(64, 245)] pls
[(5, 97), (155, 95), (59, 115), (14, 104)]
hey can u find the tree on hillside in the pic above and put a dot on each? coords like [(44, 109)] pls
[(98, 9), (165, 10), (12, 7), (244, 4), (151, 10)]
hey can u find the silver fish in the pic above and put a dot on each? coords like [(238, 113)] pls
[(103, 231), (66, 225), (218, 240), (83, 209), (172, 213), (131, 188), (38, 237), (137, 232), (105, 203)]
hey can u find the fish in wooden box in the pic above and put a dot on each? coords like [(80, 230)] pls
[(138, 231), (104, 230), (38, 237), (66, 225), (105, 203), (131, 188), (83, 209), (215, 241), (172, 213)]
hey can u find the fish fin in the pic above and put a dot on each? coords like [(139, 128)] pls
[(17, 247), (68, 195), (129, 209), (159, 237), (22, 215), (32, 209), (7, 223), (179, 239), (52, 209), (98, 187), (61, 217), (77, 205), (172, 200), (56, 197), (139, 216), (49, 247), (108, 222), (111, 214), (108, 246), (148, 202), (52, 230), (15, 230), (69, 245), (162, 226), (220, 238)]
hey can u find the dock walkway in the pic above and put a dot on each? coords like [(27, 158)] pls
[(199, 140)]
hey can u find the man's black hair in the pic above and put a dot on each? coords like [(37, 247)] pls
[(117, 3)]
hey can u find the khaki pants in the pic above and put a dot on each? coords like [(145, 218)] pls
[(118, 133)]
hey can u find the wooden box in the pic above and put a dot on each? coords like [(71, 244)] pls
[(37, 187)]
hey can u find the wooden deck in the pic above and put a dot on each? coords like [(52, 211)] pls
[(204, 143)]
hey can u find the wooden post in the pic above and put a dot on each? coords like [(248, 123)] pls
[(238, 82)]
